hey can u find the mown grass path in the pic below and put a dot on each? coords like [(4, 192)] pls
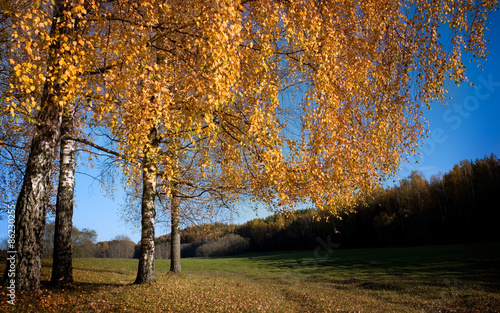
[(451, 278)]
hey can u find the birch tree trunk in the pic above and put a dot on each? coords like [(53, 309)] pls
[(146, 270), (62, 264), (175, 253)]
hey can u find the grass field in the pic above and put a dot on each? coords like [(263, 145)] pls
[(452, 278)]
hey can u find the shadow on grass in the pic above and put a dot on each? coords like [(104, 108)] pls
[(477, 264)]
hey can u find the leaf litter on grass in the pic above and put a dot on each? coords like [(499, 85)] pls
[(383, 280)]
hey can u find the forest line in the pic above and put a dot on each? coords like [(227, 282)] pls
[(459, 206)]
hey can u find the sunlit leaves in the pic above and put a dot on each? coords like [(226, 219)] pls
[(316, 100), (359, 73)]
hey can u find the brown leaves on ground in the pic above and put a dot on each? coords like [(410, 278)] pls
[(272, 283)]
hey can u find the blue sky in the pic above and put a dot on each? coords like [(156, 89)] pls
[(468, 128)]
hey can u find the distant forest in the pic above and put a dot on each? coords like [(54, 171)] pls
[(462, 205)]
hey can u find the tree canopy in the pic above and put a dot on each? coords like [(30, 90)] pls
[(216, 75), (294, 100)]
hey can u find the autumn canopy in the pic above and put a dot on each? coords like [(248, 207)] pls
[(288, 101)]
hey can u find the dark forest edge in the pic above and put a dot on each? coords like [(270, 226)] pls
[(458, 207)]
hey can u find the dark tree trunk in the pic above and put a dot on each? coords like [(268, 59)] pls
[(146, 270), (31, 209), (62, 266), (31, 205), (175, 253)]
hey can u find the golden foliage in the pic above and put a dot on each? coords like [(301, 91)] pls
[(295, 100)]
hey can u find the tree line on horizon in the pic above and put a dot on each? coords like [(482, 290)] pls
[(459, 206), (85, 245), (462, 205)]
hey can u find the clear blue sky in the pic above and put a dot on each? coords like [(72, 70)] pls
[(468, 128)]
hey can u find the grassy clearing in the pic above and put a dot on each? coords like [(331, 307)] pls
[(453, 278)]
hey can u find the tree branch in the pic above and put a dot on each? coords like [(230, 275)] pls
[(95, 146)]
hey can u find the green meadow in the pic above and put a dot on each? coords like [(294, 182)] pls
[(449, 278)]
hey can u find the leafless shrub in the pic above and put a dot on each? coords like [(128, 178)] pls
[(228, 245)]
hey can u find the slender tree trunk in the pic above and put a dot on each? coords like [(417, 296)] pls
[(175, 253), (31, 205), (62, 266), (146, 270)]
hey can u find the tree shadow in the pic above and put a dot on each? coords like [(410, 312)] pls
[(472, 264)]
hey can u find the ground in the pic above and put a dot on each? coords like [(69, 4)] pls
[(451, 278)]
